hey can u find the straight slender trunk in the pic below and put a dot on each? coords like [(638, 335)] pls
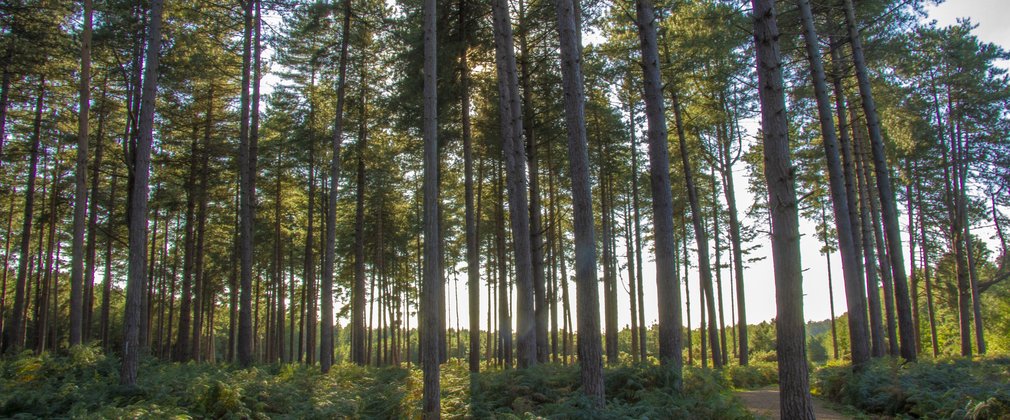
[(743, 349), (81, 185), (589, 348), (504, 315), (513, 148), (636, 276), (278, 280), (609, 282), (831, 289), (718, 267), (432, 288), (668, 289), (198, 272), (913, 278), (92, 242), (472, 245), (136, 280), (869, 251), (107, 277), (6, 267), (48, 295), (687, 291), (883, 260), (14, 333), (182, 350), (5, 88), (632, 286), (329, 254), (794, 397), (889, 211), (840, 194), (246, 196), (961, 162), (541, 308), (701, 237), (931, 314)]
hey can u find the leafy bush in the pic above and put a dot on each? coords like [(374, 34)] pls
[(945, 388), (755, 375)]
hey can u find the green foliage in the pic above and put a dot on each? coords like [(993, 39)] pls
[(755, 375), (951, 388), (633, 391), (84, 383)]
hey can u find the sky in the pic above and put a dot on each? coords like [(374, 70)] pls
[(991, 17)]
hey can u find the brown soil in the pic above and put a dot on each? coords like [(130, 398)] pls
[(764, 403)]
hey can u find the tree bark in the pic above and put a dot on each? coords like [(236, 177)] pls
[(701, 237), (667, 284), (869, 251), (855, 289), (513, 148), (358, 299), (851, 272), (889, 211), (14, 334), (5, 88), (246, 195), (587, 294), (81, 185), (432, 288), (107, 277), (136, 280), (472, 245), (794, 398)]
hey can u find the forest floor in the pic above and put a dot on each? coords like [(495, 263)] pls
[(764, 403)]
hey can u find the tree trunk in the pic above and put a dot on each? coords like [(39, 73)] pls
[(504, 314), (736, 242), (136, 281), (89, 270), (14, 334), (638, 278), (789, 327), (632, 286), (667, 284), (872, 291), (358, 299), (590, 358), (718, 267), (931, 314), (889, 211), (913, 278), (885, 269), (247, 195), (515, 167), (432, 287), (472, 245), (81, 185), (701, 237), (107, 277), (198, 273), (5, 88), (851, 272), (541, 308), (855, 289)]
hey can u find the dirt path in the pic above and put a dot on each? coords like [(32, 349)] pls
[(764, 403)]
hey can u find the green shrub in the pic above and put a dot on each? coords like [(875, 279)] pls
[(83, 383), (945, 388), (755, 375)]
